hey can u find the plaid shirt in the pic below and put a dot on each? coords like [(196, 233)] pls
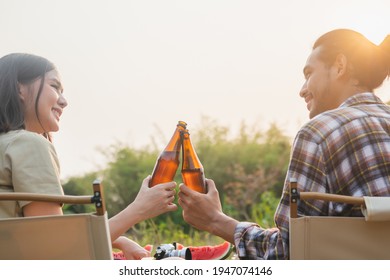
[(343, 151)]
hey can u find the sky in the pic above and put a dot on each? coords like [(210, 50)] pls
[(132, 69)]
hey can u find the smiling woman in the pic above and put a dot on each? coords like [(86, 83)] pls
[(27, 102), (44, 116), (31, 104)]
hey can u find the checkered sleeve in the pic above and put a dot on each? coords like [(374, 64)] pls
[(254, 242)]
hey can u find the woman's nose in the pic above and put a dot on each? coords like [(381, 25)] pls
[(62, 101)]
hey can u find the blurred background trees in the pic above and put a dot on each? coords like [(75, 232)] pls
[(248, 169)]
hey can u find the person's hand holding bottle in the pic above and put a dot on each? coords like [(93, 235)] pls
[(149, 203), (204, 211)]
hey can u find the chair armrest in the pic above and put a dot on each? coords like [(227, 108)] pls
[(96, 199), (295, 196), (67, 199)]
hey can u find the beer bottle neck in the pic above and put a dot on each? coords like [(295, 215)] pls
[(190, 158), (174, 143)]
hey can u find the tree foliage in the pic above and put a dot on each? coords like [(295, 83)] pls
[(243, 167)]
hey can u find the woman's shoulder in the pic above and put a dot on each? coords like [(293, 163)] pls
[(23, 138)]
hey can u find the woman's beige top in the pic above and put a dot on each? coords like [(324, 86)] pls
[(28, 163)]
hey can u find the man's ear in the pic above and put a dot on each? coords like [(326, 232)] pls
[(341, 65)]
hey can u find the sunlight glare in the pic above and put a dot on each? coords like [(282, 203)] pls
[(376, 36)]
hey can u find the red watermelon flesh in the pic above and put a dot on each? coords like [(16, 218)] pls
[(216, 252)]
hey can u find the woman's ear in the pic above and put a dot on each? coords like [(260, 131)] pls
[(22, 92)]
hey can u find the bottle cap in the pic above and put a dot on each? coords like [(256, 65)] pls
[(182, 124)]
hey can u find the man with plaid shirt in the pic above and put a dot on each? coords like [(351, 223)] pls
[(343, 149)]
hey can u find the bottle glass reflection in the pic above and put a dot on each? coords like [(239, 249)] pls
[(168, 161), (192, 170)]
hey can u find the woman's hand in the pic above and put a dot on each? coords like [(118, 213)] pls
[(131, 249), (149, 203), (154, 201)]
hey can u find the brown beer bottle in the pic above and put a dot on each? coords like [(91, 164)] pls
[(167, 163), (192, 170)]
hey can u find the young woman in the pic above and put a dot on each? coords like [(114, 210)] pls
[(31, 105)]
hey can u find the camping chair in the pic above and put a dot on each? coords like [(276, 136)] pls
[(331, 238), (61, 237)]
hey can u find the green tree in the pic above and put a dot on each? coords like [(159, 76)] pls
[(80, 186), (123, 176), (243, 167)]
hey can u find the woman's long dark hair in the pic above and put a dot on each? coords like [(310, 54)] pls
[(16, 69)]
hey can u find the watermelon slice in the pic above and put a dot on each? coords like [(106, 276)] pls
[(121, 256), (216, 252)]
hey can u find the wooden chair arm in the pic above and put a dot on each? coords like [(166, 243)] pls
[(96, 199), (295, 196), (332, 197), (67, 199)]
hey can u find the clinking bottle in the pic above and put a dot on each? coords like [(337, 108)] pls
[(168, 161), (192, 170)]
